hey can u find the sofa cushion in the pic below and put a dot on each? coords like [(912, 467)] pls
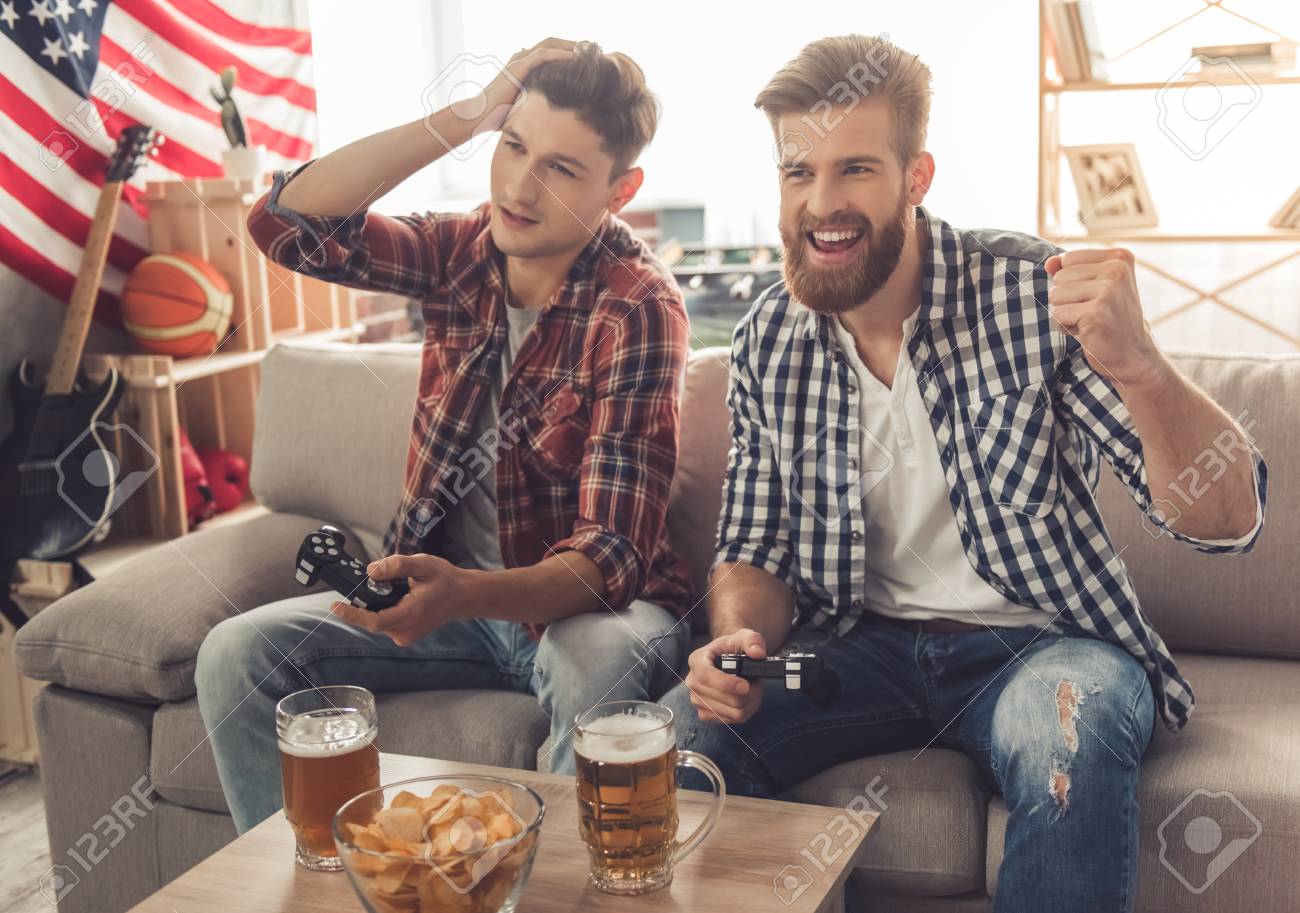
[(180, 758), (502, 728), (930, 836), (481, 727), (343, 458), (1243, 743), (1217, 603), (136, 632)]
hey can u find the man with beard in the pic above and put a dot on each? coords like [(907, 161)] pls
[(918, 419)]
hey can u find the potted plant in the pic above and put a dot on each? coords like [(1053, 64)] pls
[(240, 160)]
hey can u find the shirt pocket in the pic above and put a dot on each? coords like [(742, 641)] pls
[(557, 430), (1015, 439), (448, 343)]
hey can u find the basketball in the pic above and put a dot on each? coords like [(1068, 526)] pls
[(176, 304)]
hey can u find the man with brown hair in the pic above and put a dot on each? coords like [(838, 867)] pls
[(919, 415), (532, 530)]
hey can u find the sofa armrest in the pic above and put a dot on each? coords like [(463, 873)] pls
[(135, 633)]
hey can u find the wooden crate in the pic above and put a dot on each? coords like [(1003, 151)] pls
[(216, 410), (35, 585), (212, 397), (143, 436), (207, 217)]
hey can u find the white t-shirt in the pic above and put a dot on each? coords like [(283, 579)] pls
[(916, 566)]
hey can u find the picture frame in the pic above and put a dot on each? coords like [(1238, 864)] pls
[(1288, 217), (1112, 189)]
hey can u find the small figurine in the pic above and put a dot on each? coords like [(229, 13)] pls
[(231, 121)]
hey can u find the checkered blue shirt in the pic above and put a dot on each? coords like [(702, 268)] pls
[(1020, 419)]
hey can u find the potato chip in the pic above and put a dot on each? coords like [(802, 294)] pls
[(491, 892), (430, 806), (405, 799), (369, 840), (447, 837), (385, 902), (502, 826), (436, 894), (449, 811), (401, 824), (391, 879)]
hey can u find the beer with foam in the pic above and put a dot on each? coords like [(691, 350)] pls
[(627, 758), (328, 755)]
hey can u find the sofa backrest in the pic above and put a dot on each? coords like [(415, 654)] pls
[(1248, 604), (696, 499), (334, 420)]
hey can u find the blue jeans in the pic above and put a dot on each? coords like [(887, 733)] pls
[(1058, 733), (583, 660)]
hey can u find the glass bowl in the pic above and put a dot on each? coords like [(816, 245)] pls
[(447, 843)]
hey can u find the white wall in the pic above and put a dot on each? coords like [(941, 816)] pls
[(707, 59)]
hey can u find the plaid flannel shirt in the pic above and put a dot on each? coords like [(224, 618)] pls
[(588, 429), (1020, 419)]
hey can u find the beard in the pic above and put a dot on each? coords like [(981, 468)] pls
[(835, 289)]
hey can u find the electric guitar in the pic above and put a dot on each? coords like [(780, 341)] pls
[(58, 477)]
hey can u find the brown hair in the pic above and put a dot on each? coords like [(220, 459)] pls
[(608, 93), (848, 68)]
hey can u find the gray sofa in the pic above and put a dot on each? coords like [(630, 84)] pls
[(330, 444)]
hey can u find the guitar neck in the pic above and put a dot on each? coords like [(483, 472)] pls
[(67, 356)]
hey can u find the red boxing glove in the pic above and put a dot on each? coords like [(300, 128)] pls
[(227, 477), (198, 496)]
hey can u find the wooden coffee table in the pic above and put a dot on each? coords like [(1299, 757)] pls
[(762, 856)]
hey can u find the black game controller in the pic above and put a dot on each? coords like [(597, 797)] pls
[(321, 557), (804, 672)]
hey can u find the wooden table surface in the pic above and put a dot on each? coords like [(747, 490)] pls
[(755, 842)]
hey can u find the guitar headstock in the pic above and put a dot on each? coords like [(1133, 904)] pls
[(133, 145)]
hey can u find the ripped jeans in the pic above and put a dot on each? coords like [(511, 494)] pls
[(1058, 732)]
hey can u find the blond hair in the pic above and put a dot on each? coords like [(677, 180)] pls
[(846, 70)]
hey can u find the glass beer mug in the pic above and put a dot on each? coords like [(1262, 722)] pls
[(327, 755), (627, 760)]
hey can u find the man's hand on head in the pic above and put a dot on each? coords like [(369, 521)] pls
[(500, 95), (440, 592)]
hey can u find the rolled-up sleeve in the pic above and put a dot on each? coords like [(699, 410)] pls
[(631, 452), (1092, 404), (405, 255)]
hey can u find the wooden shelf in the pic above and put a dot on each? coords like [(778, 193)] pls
[(1259, 79), (241, 514), (726, 268), (116, 550), (217, 363), (337, 334), (220, 362), (1156, 236), (212, 398), (1053, 218)]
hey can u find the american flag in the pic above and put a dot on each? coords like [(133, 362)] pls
[(78, 72)]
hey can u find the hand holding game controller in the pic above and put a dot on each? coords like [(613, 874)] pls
[(720, 697), (804, 672), (321, 557)]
